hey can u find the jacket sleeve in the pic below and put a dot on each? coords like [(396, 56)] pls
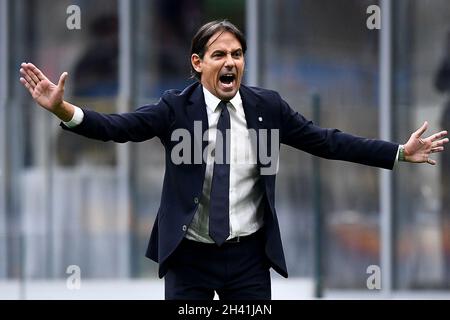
[(142, 124), (300, 133)]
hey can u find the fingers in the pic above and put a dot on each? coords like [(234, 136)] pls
[(422, 129), (33, 71), (28, 70), (27, 85), (36, 71), (31, 76), (62, 80), (431, 161), (437, 149), (438, 135), (437, 146), (27, 77), (30, 73), (439, 143)]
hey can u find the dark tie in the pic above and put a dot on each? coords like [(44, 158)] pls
[(219, 220)]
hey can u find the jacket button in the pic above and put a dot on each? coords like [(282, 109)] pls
[(184, 227), (196, 200)]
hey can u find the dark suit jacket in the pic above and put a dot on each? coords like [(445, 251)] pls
[(182, 187)]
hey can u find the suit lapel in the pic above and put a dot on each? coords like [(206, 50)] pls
[(253, 114), (251, 110), (196, 108), (196, 112)]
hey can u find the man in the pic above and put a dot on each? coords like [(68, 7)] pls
[(217, 228)]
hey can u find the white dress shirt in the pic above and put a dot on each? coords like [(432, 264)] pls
[(245, 194)]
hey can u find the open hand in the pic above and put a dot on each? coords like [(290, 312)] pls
[(47, 94), (44, 92), (419, 150)]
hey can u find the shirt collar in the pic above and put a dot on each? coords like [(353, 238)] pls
[(212, 102)]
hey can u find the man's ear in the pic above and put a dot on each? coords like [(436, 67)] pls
[(196, 62)]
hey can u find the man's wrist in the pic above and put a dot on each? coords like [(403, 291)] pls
[(401, 153), (64, 111), (77, 118)]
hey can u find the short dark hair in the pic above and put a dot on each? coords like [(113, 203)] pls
[(205, 32)]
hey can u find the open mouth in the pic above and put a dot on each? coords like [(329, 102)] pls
[(227, 80)]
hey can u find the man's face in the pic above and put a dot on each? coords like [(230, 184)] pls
[(222, 65)]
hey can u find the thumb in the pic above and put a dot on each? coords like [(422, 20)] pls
[(422, 129), (62, 80)]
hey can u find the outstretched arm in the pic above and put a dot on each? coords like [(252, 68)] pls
[(418, 150), (48, 95), (142, 124)]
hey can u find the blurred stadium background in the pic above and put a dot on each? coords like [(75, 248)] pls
[(66, 200)]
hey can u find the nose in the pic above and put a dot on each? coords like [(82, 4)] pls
[(229, 62)]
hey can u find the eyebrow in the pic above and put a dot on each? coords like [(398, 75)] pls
[(223, 50)]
